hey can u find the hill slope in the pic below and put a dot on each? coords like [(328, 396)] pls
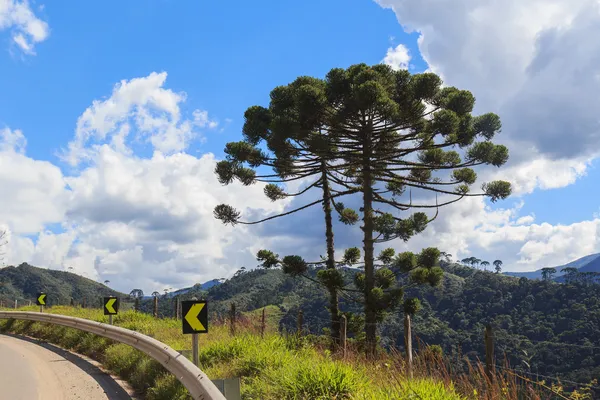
[(580, 263), (22, 283), (555, 324)]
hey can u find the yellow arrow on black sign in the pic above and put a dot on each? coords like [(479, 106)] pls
[(111, 305), (195, 316), (41, 299)]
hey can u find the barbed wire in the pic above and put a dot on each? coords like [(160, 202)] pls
[(560, 380)]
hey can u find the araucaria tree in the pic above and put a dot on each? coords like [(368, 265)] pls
[(387, 134), (396, 131), (297, 148), (498, 265)]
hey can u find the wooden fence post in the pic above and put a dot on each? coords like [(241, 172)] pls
[(262, 323), (343, 328), (300, 322), (155, 306), (408, 345), (488, 337), (232, 319)]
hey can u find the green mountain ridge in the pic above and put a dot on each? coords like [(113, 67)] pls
[(22, 283)]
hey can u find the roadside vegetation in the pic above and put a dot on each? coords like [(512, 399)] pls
[(272, 367)]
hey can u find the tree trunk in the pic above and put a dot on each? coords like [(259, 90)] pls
[(333, 295), (368, 243), (155, 306)]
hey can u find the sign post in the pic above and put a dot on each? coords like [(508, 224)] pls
[(194, 321), (41, 300), (111, 307)]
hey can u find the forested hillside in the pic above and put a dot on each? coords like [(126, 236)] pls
[(543, 327), (22, 283)]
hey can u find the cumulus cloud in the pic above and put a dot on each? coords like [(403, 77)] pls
[(140, 106), (33, 192), (26, 28), (397, 57), (534, 62), (136, 221)]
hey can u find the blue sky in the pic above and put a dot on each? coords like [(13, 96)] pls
[(226, 57)]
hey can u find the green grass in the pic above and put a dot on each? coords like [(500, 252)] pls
[(273, 367)]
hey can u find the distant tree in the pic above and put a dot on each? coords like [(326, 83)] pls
[(70, 268), (136, 294), (570, 274), (155, 294), (484, 264), (106, 282), (466, 261), (587, 278), (498, 265), (548, 273), (475, 262), (240, 271), (447, 256)]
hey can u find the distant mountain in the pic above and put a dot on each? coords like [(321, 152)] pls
[(22, 283), (580, 264)]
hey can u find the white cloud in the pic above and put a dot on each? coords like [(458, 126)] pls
[(141, 106), (138, 222), (27, 28), (470, 228), (536, 63), (397, 57), (33, 193), (533, 62)]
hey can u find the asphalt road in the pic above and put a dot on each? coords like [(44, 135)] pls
[(30, 370)]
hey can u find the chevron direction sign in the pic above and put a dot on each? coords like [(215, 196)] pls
[(111, 305), (41, 299), (195, 316)]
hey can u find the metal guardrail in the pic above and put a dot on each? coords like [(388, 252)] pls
[(194, 380)]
